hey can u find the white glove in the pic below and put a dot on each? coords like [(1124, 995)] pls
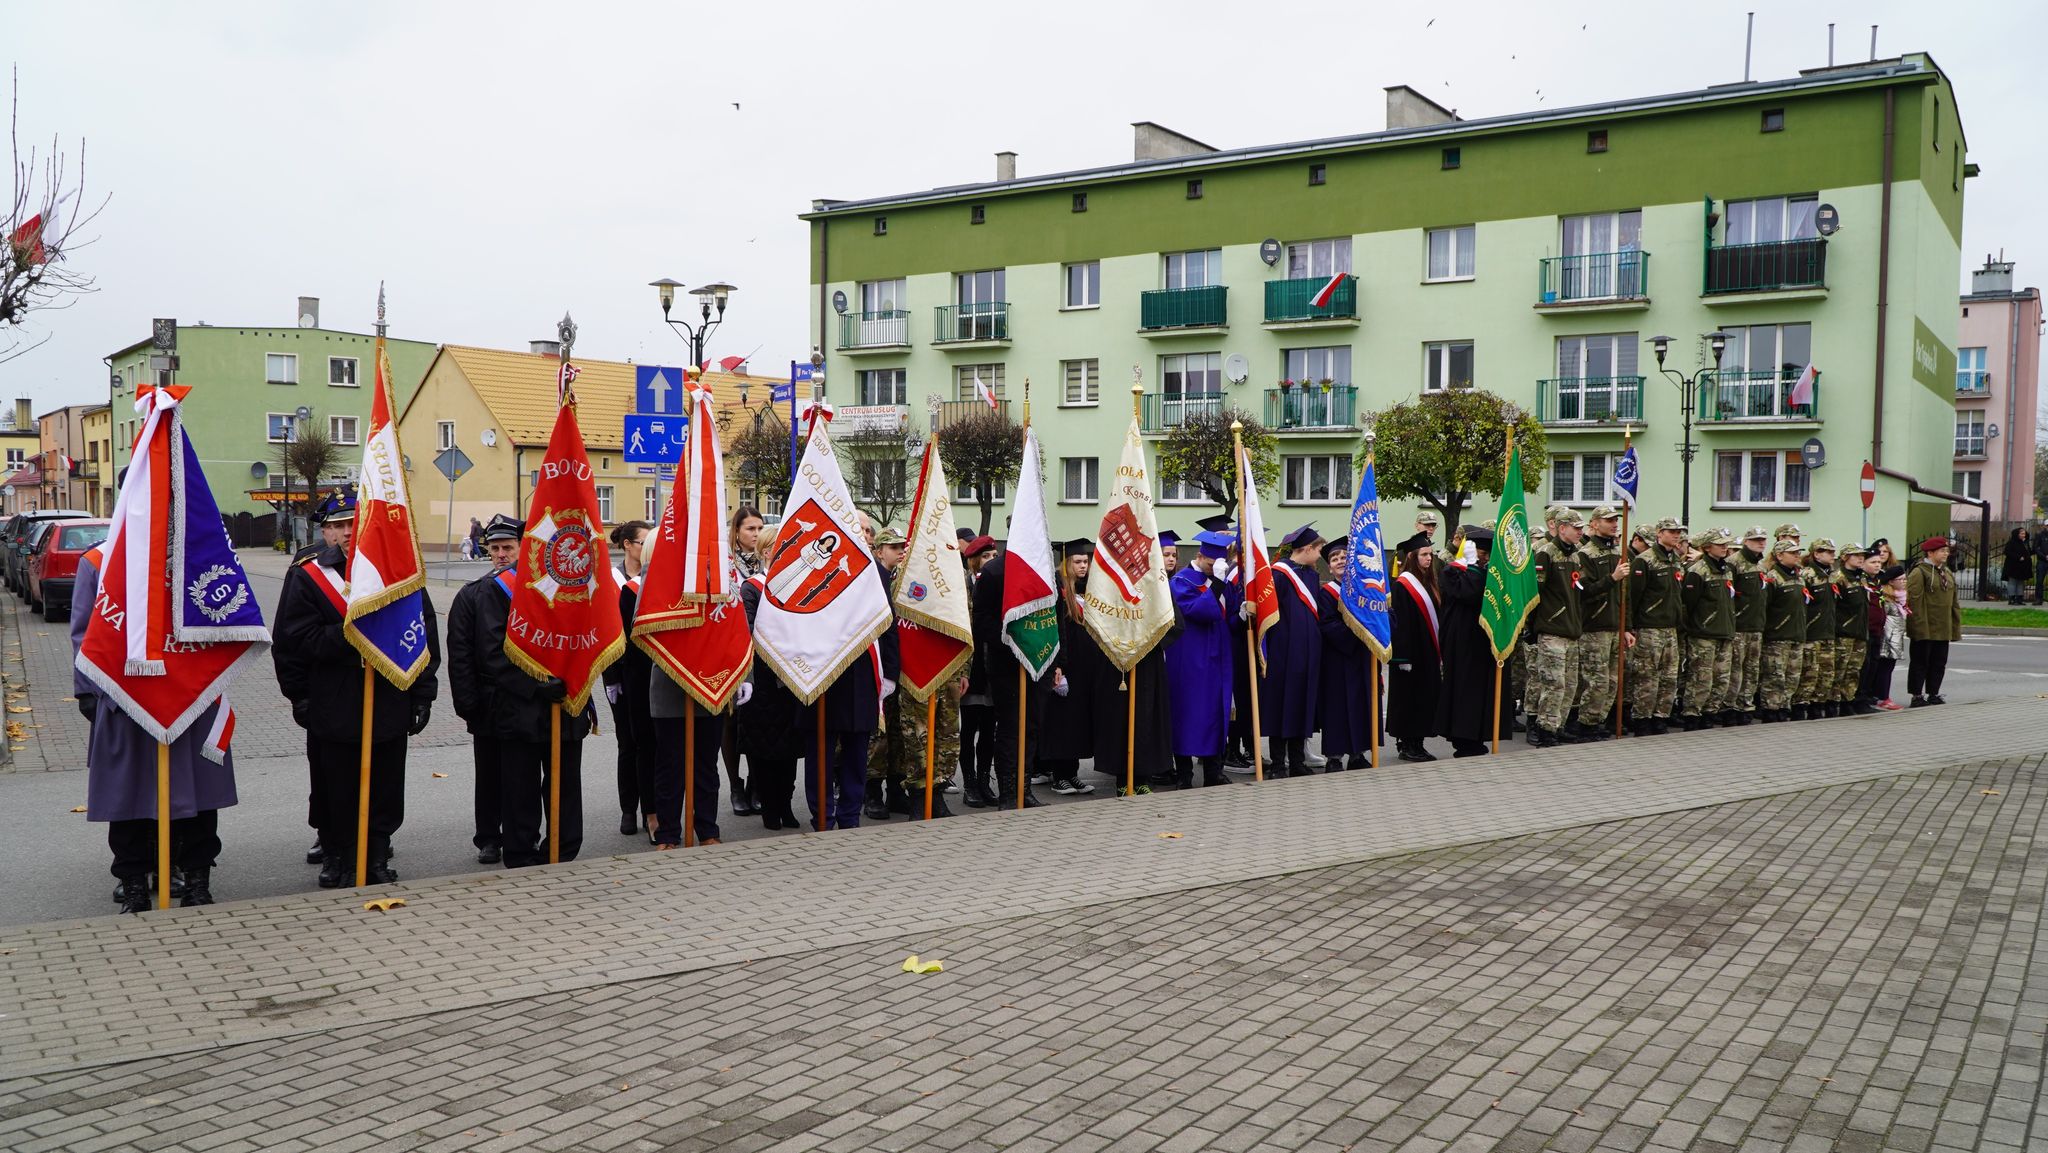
[(1245, 611), (1059, 683), (888, 686), (745, 694), (611, 693), (1469, 554)]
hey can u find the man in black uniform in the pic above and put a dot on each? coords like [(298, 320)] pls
[(472, 692), (330, 536), (1002, 666), (322, 675)]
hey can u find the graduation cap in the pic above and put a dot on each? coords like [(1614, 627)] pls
[(1168, 539), (1079, 546), (1420, 540), (1215, 545), (1217, 523), (1304, 535), (1336, 546)]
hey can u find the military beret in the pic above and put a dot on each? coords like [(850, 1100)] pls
[(975, 546)]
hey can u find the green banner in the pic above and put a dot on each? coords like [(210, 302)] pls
[(1510, 567)]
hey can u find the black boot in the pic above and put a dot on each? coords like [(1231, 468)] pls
[(1539, 737), (743, 802), (974, 792), (333, 874), (136, 896), (1212, 772), (315, 855), (629, 824), (876, 807), (198, 887), (1568, 733), (899, 798), (377, 870)]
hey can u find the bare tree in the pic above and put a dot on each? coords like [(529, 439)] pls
[(756, 442), (39, 229), (878, 470), (983, 452)]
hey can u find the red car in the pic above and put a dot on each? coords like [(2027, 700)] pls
[(53, 568)]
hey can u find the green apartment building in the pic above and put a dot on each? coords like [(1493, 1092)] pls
[(1814, 220), (248, 385)]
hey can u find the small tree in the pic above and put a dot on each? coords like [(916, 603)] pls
[(39, 227), (1444, 446), (758, 450), (878, 471), (1199, 452), (984, 451)]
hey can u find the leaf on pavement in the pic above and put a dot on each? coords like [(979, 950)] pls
[(384, 904), (1987, 792), (439, 776), (78, 808), (1169, 836), (911, 964), (19, 709)]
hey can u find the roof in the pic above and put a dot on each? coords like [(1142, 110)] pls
[(1904, 69), (519, 389), (200, 327), (28, 475)]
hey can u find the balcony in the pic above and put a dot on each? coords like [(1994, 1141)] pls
[(1973, 384), (1970, 447), (1309, 407), (874, 331), (1162, 412), (1184, 311), (1594, 282), (1730, 398), (1594, 402), (974, 325), (1781, 267), (1291, 303), (951, 412), (86, 470)]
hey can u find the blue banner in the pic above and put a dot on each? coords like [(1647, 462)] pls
[(1625, 477), (1363, 595)]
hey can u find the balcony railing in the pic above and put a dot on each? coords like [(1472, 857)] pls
[(1592, 277), (889, 328), (1970, 447), (1973, 382), (1590, 400), (86, 470), (988, 320), (953, 411), (1769, 267), (1205, 307), (1166, 411), (1294, 300), (1766, 395), (1311, 407)]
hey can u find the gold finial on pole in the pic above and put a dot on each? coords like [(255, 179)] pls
[(1027, 402), (1137, 393)]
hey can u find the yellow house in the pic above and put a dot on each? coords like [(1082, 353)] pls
[(21, 441), (498, 407), (97, 469)]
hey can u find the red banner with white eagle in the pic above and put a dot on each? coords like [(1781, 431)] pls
[(564, 617)]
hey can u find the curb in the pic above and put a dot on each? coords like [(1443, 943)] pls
[(2000, 631)]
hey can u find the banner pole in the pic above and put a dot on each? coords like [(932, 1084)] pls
[(1373, 679), (363, 781), (163, 825), (1494, 722), (689, 774), (1621, 620), (1022, 704), (1131, 733), (1251, 641), (824, 798), (555, 783), (931, 748)]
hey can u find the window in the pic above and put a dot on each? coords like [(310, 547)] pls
[(1081, 479), (1451, 253), (341, 429), (1970, 434), (341, 370), (881, 226), (1316, 479), (446, 431), (1080, 202), (1315, 365), (1596, 378), (1581, 478), (604, 504), (650, 504), (1452, 158), (281, 367), (972, 290), (963, 380), (1446, 364), (1772, 219), (881, 479), (1182, 492), (963, 493), (1194, 190), (1084, 285), (16, 457), (1596, 140), (1774, 120), (1084, 379), (1758, 368), (1194, 269), (1189, 385), (279, 427), (1320, 259), (1316, 174), (1768, 477), (979, 300), (1971, 376), (881, 296), (883, 386), (977, 214), (1968, 482)]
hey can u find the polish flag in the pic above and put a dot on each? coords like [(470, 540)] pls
[(1256, 567), (988, 398), (1802, 389), (1327, 291)]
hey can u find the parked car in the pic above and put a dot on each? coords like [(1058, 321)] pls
[(14, 542), (53, 569)]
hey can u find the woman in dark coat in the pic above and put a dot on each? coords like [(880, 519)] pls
[(2019, 565), (1068, 735), (1464, 709), (773, 726), (1344, 694), (1415, 673)]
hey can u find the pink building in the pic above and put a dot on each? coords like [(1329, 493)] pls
[(1998, 378)]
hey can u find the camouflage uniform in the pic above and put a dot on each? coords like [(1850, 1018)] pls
[(1654, 583), (1784, 637), (1554, 665), (1746, 666), (1600, 609), (1817, 668), (1709, 612), (1852, 628)]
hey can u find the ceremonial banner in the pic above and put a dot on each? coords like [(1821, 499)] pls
[(175, 619), (1031, 629), (1255, 567), (934, 617), (1363, 595), (564, 617), (822, 605), (387, 610), (687, 617), (1625, 477), (1129, 607), (1510, 567)]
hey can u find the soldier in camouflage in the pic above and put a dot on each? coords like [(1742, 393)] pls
[(1852, 629), (1602, 568), (1655, 580), (1817, 661), (1784, 632), (1708, 603), (1745, 674), (1554, 629)]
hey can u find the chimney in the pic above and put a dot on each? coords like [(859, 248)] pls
[(1006, 166), (309, 312), (1995, 276), (24, 414), (545, 348), (1157, 142), (1407, 108)]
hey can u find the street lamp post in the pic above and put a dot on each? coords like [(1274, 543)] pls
[(1688, 399), (711, 300)]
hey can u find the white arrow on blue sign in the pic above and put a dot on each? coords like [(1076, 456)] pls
[(658, 389), (651, 439)]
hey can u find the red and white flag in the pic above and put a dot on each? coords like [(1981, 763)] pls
[(1327, 292), (1255, 569), (687, 617), (934, 619), (564, 617), (981, 390), (387, 611), (1031, 627), (1802, 389)]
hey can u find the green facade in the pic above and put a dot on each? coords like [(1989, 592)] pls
[(1513, 184), (228, 410)]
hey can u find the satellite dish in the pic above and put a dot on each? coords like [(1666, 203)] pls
[(1813, 453), (1826, 220), (308, 320), (303, 413), (259, 470), (1269, 251), (490, 438), (839, 303), (1236, 368)]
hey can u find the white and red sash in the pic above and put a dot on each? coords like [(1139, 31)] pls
[(1300, 586), (1428, 607), (330, 584)]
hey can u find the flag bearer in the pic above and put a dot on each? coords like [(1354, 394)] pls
[(472, 690)]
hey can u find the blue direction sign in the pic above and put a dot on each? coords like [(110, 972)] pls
[(658, 389), (654, 439)]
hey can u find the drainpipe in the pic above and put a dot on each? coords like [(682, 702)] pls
[(518, 483), (1884, 268), (2012, 372), (1983, 525), (824, 282)]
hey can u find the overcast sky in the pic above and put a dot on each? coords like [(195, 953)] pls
[(499, 162)]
